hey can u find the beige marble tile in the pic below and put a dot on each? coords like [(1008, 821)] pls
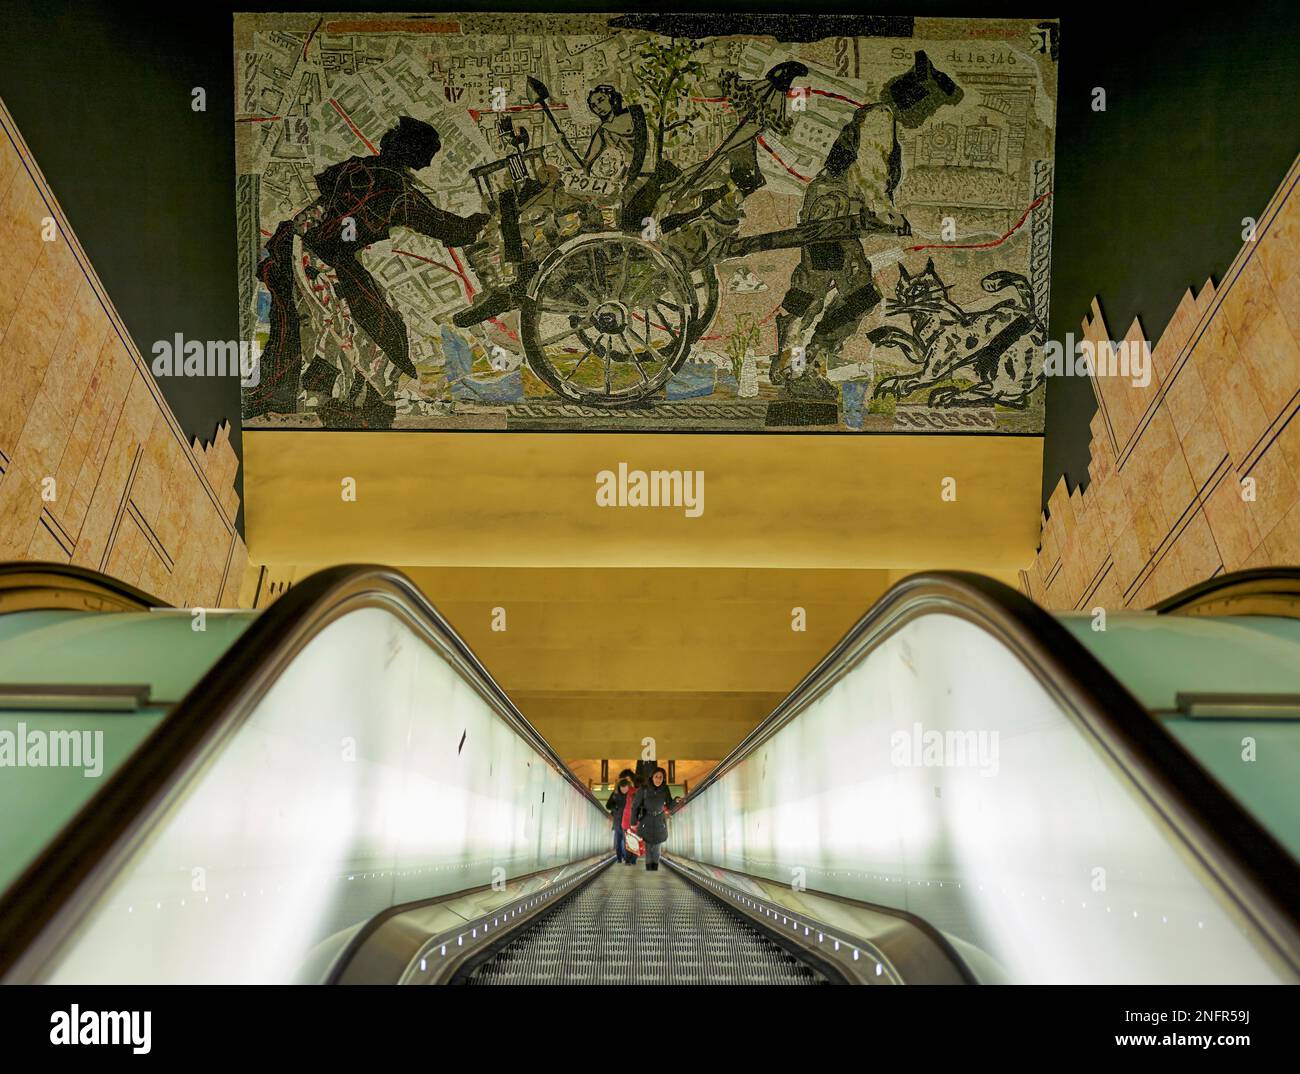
[(1288, 442), (1275, 489), (1166, 350), (1283, 540), (1129, 558), (74, 355), (104, 398), (1107, 594), (1151, 528), (1261, 557), (155, 578), (1112, 507), (1235, 528), (1197, 551), (45, 547), (189, 552), (20, 507), (1203, 446), (235, 572), (1070, 578), (1248, 298), (1051, 545), (140, 408), (25, 352), (1185, 399), (1102, 463), (1279, 254), (21, 213), (11, 166), (1215, 352), (1175, 490), (1273, 360), (43, 440), (106, 502), (1031, 579), (126, 558), (1240, 415), (1060, 507)]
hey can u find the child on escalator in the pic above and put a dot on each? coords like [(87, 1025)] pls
[(617, 805), (626, 819)]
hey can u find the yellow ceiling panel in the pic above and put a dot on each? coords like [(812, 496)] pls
[(529, 500)]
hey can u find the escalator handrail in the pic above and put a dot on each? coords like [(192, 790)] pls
[(82, 859), (1256, 871), (66, 578), (1259, 583)]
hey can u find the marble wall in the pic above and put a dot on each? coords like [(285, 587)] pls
[(1197, 473), (94, 469)]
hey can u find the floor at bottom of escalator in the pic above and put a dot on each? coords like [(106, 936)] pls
[(631, 926)]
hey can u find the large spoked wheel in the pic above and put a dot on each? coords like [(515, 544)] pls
[(608, 319), (708, 293)]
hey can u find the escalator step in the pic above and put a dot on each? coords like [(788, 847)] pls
[(633, 927)]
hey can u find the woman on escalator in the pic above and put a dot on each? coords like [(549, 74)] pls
[(650, 809)]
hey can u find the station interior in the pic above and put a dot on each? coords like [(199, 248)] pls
[(543, 497)]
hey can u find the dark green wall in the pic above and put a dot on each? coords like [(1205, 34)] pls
[(1202, 122), (101, 93), (1200, 126)]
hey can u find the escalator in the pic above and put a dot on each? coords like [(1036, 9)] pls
[(642, 928), (964, 790)]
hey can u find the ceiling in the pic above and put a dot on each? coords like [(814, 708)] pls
[(600, 658), (627, 623), (528, 500), (686, 773)]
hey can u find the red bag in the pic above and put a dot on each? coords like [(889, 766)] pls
[(632, 843)]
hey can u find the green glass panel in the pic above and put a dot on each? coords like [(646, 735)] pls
[(38, 797), (1257, 761), (52, 762), (158, 648), (1158, 657)]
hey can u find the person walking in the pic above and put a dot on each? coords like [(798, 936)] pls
[(626, 819), (650, 808), (618, 799)]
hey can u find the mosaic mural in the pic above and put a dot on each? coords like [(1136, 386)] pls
[(645, 222)]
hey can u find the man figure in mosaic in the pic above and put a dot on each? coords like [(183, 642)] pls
[(832, 284), (860, 174), (361, 200)]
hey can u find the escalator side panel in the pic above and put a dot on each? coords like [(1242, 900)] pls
[(370, 773), (940, 776)]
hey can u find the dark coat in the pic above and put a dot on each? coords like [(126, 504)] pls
[(648, 812), (614, 805)]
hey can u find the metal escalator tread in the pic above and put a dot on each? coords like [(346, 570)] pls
[(630, 926)]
